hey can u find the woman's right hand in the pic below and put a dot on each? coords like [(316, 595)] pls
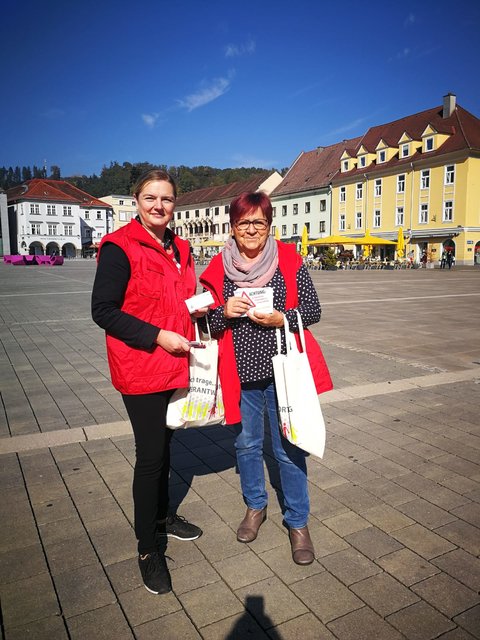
[(172, 342), (235, 307)]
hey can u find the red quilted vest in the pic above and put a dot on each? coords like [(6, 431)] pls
[(155, 293)]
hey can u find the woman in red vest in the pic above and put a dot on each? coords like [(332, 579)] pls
[(144, 274), (247, 343)]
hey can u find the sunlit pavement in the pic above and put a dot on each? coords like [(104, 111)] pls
[(395, 501)]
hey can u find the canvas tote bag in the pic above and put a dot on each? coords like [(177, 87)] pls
[(300, 415), (201, 404)]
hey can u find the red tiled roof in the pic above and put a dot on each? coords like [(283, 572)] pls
[(222, 192), (53, 191), (462, 127), (314, 169)]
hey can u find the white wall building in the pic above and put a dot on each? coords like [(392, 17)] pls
[(54, 217)]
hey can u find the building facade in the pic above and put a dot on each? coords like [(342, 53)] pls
[(52, 217), (421, 174), (124, 209), (203, 215)]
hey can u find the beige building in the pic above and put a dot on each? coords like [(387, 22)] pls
[(124, 209)]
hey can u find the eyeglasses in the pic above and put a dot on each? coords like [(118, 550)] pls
[(258, 225)]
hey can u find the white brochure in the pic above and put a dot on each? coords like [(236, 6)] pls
[(261, 298)]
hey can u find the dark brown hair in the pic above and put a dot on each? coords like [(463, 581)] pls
[(151, 176)]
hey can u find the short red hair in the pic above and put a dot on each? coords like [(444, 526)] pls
[(246, 202)]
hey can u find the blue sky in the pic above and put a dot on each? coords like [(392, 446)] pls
[(221, 83)]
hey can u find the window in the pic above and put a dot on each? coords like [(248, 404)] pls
[(382, 156), (217, 211), (449, 174), (35, 209), (67, 211), (343, 192), (362, 161), (87, 215), (378, 187), (404, 150), (307, 224), (359, 191), (401, 183), (295, 230), (197, 213), (345, 165), (341, 222), (321, 226), (377, 217), (358, 220), (52, 229), (284, 229), (274, 229), (295, 209), (88, 233), (120, 202), (429, 144), (323, 203), (215, 228), (35, 229), (179, 215), (448, 211), (425, 179), (99, 215), (423, 218), (51, 210), (187, 215), (274, 212), (68, 229), (133, 203), (226, 227), (207, 211), (227, 208), (399, 217), (284, 209), (307, 207), (179, 231)]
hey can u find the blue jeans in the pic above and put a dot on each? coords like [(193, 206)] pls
[(258, 399)]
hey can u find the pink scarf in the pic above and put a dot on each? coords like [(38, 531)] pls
[(251, 273)]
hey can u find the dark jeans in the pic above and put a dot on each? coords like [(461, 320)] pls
[(147, 413)]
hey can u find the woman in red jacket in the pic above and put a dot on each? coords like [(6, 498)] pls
[(144, 274), (252, 258)]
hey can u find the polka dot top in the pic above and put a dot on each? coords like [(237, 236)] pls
[(255, 345)]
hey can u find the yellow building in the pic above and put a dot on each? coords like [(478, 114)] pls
[(420, 173), (124, 209)]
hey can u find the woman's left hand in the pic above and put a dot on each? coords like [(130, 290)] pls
[(199, 313), (274, 319)]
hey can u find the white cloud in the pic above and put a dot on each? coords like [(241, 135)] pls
[(410, 19), (354, 124), (233, 50), (150, 119), (404, 53), (252, 161), (207, 94)]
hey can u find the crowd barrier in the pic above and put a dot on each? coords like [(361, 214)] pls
[(49, 261)]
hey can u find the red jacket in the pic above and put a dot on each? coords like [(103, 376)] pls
[(212, 278), (155, 293)]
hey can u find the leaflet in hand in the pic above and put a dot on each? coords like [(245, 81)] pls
[(261, 298)]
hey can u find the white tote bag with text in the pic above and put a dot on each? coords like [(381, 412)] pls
[(300, 415)]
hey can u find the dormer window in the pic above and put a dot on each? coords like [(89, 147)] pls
[(382, 156), (345, 165), (362, 161), (429, 143), (405, 151)]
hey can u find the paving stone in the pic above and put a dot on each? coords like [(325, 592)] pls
[(270, 600), (350, 566), (238, 626), (60, 530), (426, 513), (280, 562), (125, 575), (363, 624), (346, 523), (446, 594), (470, 620), (326, 597), (47, 492), (98, 509), (140, 606), (420, 621), (407, 566), (270, 536), (306, 627), (389, 492), (456, 634), (193, 576), (17, 564), (373, 542), (89, 492), (384, 594), (174, 626), (244, 569), (462, 566), (83, 589), (386, 518), (54, 510), (28, 600), (45, 629), (353, 497), (470, 513), (115, 545), (462, 534), (70, 554), (210, 603), (101, 624), (423, 541)]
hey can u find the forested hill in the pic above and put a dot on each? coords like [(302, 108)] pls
[(119, 178)]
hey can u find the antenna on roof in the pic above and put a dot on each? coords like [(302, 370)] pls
[(45, 168)]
